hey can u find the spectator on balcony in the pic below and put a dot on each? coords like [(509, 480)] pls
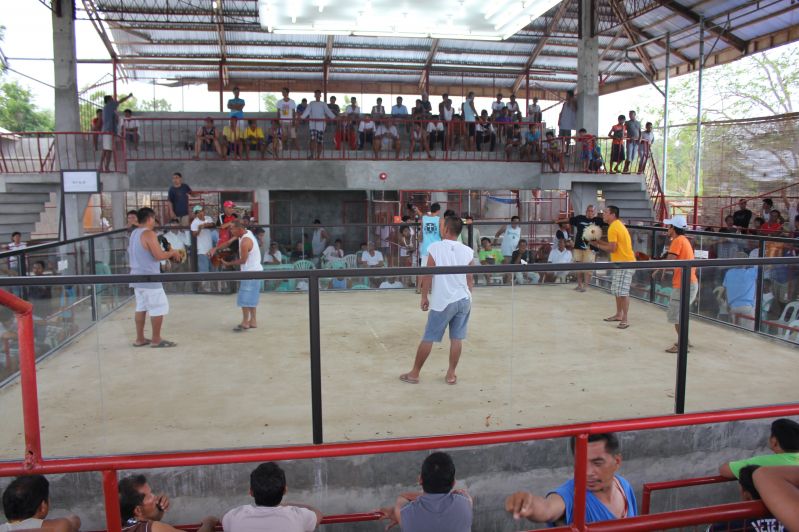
[(554, 152), (371, 258), (232, 138), (524, 255), (418, 112), (513, 142), (435, 133), (633, 134), (366, 132), (513, 108), (333, 106), (287, 111), (254, 140), (502, 122), (26, 503), (273, 256), (618, 132), (609, 496), (742, 216), (439, 507), (178, 196), (270, 513), (15, 244), (318, 112), (426, 104), (399, 110), (679, 249), (387, 138), (783, 442), (510, 235), (142, 511), (791, 210), (144, 255), (531, 149), (497, 106), (729, 225), (207, 139), (470, 117), (201, 227), (110, 128), (773, 226), (236, 105), (302, 106), (645, 147), (619, 245), (130, 129), (378, 110), (534, 111), (567, 119), (274, 138), (767, 207), (485, 132), (353, 113), (419, 140), (585, 143), (97, 126)]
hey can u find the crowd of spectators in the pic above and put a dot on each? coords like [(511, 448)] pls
[(441, 505)]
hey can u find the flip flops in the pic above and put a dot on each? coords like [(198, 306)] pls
[(141, 345), (163, 343), (622, 325), (612, 318), (452, 381), (239, 328), (405, 378)]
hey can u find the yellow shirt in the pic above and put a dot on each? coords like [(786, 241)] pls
[(624, 247), (256, 134), (231, 135)]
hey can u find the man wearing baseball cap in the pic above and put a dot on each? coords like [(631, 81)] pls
[(679, 249), (224, 221)]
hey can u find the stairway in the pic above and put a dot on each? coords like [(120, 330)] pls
[(22, 203), (632, 200)]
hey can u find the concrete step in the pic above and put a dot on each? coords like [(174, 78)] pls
[(23, 197), (23, 208), (621, 186), (628, 204), (19, 218), (31, 187), (619, 195)]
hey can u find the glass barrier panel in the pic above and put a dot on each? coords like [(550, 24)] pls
[(779, 294), (11, 433), (223, 385)]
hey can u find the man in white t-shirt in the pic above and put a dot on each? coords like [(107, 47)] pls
[(559, 255), (449, 303), (387, 138), (333, 252), (201, 227), (267, 487), (392, 282), (371, 258), (286, 110), (273, 255), (317, 111)]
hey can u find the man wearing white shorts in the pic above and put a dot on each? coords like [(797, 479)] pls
[(450, 299), (145, 255)]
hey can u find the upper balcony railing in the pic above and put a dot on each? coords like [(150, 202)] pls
[(43, 152)]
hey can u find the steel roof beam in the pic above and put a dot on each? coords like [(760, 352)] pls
[(631, 32), (539, 46), (715, 29)]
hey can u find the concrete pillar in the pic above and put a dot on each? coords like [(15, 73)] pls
[(587, 70), (583, 195), (119, 214), (262, 198), (67, 112)]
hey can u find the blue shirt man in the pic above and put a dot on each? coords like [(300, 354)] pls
[(739, 283), (608, 495), (236, 104), (399, 109)]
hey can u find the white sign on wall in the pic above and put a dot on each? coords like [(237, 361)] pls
[(80, 181)]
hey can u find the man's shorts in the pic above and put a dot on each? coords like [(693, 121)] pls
[(564, 132), (456, 315), (622, 279), (108, 141), (617, 153), (152, 300), (289, 131), (471, 128), (632, 149), (673, 314), (317, 135), (585, 155), (249, 293), (583, 255)]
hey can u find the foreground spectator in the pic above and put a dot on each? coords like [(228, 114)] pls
[(680, 249), (608, 495), (779, 489), (269, 513), (784, 444), (620, 247), (559, 255), (26, 503), (582, 250), (142, 511), (438, 507), (748, 493), (207, 139)]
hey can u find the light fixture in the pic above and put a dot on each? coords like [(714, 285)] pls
[(214, 5)]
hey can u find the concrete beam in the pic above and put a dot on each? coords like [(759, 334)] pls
[(588, 71)]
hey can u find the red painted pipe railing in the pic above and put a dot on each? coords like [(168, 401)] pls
[(47, 151), (649, 487)]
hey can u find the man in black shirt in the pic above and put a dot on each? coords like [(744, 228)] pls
[(742, 216), (523, 253), (582, 252), (179, 194)]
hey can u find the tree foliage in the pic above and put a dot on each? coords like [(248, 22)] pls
[(270, 102), (19, 113)]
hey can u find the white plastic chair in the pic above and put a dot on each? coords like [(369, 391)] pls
[(790, 315), (351, 260)]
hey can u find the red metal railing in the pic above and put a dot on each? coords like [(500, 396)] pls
[(649, 487), (778, 195), (41, 151)]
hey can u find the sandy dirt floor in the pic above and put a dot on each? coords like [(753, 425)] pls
[(536, 355)]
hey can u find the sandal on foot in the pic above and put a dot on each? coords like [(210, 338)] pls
[(163, 343), (240, 328), (673, 349), (410, 380), (622, 325), (612, 318), (146, 342), (453, 380)]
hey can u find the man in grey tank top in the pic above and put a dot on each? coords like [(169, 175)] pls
[(145, 255)]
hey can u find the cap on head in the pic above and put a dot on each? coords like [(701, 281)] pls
[(228, 204), (197, 208), (678, 220)]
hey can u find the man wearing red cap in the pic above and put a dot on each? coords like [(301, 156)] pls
[(224, 221)]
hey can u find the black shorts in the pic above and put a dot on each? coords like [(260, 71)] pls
[(471, 128), (564, 132), (617, 153)]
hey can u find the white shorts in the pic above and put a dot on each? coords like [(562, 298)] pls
[(108, 141), (152, 300)]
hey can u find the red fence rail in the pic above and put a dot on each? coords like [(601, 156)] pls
[(649, 487), (41, 151)]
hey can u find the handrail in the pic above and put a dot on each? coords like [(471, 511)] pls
[(750, 198), (649, 487), (48, 245)]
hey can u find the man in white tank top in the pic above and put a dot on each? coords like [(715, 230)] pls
[(250, 261), (449, 304), (26, 503), (510, 238)]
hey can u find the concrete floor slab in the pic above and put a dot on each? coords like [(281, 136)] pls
[(536, 355)]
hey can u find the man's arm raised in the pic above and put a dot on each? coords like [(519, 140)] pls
[(535, 508)]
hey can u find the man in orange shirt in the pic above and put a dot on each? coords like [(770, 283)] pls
[(680, 249), (620, 247)]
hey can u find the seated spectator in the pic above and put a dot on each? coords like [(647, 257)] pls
[(273, 255), (387, 138), (748, 493), (299, 253), (773, 226), (489, 256), (232, 138), (784, 444), (559, 255), (142, 511), (378, 111), (270, 513), (739, 287), (130, 129), (339, 283), (608, 495), (436, 133), (438, 507), (254, 140), (366, 132), (554, 152), (532, 143), (391, 282), (542, 253), (524, 255), (207, 139), (419, 140), (585, 143), (485, 132), (26, 503), (333, 252), (757, 224), (729, 225), (513, 141), (779, 489), (371, 258), (274, 138)]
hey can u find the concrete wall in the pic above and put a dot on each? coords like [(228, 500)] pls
[(358, 484)]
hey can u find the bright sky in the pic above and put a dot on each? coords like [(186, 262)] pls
[(21, 41)]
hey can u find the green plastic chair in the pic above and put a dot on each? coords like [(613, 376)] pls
[(361, 287), (304, 265)]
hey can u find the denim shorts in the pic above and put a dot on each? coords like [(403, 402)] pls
[(456, 315), (249, 293)]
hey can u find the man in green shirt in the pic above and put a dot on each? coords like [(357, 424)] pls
[(783, 441), (489, 256)]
